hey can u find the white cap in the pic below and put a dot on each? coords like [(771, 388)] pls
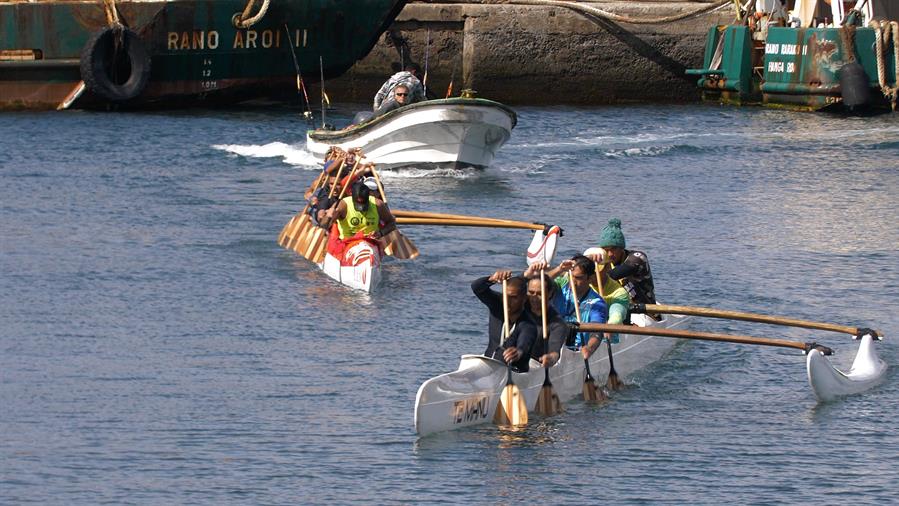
[(370, 183)]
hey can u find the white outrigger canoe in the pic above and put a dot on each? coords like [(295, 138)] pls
[(469, 395), (359, 267), (829, 383), (447, 133)]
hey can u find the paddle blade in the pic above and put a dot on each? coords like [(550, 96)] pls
[(548, 403), (592, 393), (400, 246), (289, 232), (543, 245), (511, 409), (614, 381)]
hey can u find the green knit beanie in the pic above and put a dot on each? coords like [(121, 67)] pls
[(611, 235)]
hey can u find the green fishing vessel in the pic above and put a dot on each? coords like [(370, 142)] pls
[(805, 55), (175, 53)]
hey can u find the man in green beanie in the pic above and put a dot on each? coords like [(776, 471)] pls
[(630, 268)]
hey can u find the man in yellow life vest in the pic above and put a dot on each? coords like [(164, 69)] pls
[(363, 212)]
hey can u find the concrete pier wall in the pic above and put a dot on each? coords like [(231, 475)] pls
[(535, 54)]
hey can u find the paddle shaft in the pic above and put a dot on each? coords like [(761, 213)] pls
[(380, 186), (465, 223), (577, 309), (445, 216), (750, 317), (688, 334)]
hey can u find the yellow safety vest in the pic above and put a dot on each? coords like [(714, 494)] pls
[(367, 222)]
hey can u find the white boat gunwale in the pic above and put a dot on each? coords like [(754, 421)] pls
[(353, 130)]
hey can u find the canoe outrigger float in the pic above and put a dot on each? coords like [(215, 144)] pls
[(445, 133), (356, 261), (470, 395)]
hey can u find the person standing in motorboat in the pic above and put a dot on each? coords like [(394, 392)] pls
[(410, 78), (516, 349), (399, 99)]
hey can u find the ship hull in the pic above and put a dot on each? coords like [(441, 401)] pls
[(196, 53)]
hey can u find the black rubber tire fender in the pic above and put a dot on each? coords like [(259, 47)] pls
[(115, 64)]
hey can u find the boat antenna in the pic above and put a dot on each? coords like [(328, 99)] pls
[(424, 82), (321, 67), (300, 85)]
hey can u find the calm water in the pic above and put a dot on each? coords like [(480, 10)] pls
[(158, 347)]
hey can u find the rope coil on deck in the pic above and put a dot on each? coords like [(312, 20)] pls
[(882, 31), (244, 20), (595, 11)]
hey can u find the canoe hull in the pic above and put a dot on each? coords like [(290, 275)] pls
[(829, 383), (469, 395), (437, 133), (360, 267)]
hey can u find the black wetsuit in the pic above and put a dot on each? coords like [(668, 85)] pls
[(522, 336), (635, 276)]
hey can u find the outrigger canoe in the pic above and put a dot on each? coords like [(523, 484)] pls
[(469, 395), (445, 133)]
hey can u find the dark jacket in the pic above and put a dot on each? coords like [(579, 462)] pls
[(636, 277), (558, 333), (523, 334)]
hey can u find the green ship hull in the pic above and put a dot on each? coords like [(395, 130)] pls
[(177, 53), (829, 68)]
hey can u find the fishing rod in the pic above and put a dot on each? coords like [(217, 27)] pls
[(424, 82), (307, 114), (321, 67)]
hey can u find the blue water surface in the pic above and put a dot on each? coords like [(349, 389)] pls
[(158, 347)]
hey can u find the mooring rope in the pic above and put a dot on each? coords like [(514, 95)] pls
[(596, 11), (243, 19), (882, 31), (112, 14)]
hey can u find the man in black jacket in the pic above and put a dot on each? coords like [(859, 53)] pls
[(516, 349)]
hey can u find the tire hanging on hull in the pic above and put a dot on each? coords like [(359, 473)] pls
[(115, 64)]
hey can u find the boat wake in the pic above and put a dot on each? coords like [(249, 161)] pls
[(291, 155), (652, 151)]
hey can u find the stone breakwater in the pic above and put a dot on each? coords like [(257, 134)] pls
[(542, 54)]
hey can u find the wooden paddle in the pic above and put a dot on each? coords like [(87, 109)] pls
[(395, 243), (299, 222), (511, 409), (703, 336), (751, 317), (592, 393), (613, 382), (548, 402)]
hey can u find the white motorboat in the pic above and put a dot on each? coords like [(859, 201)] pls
[(446, 133), (829, 383), (469, 395), (359, 266)]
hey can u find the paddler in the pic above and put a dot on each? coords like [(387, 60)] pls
[(362, 214), (591, 307), (546, 353), (629, 267), (516, 349)]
